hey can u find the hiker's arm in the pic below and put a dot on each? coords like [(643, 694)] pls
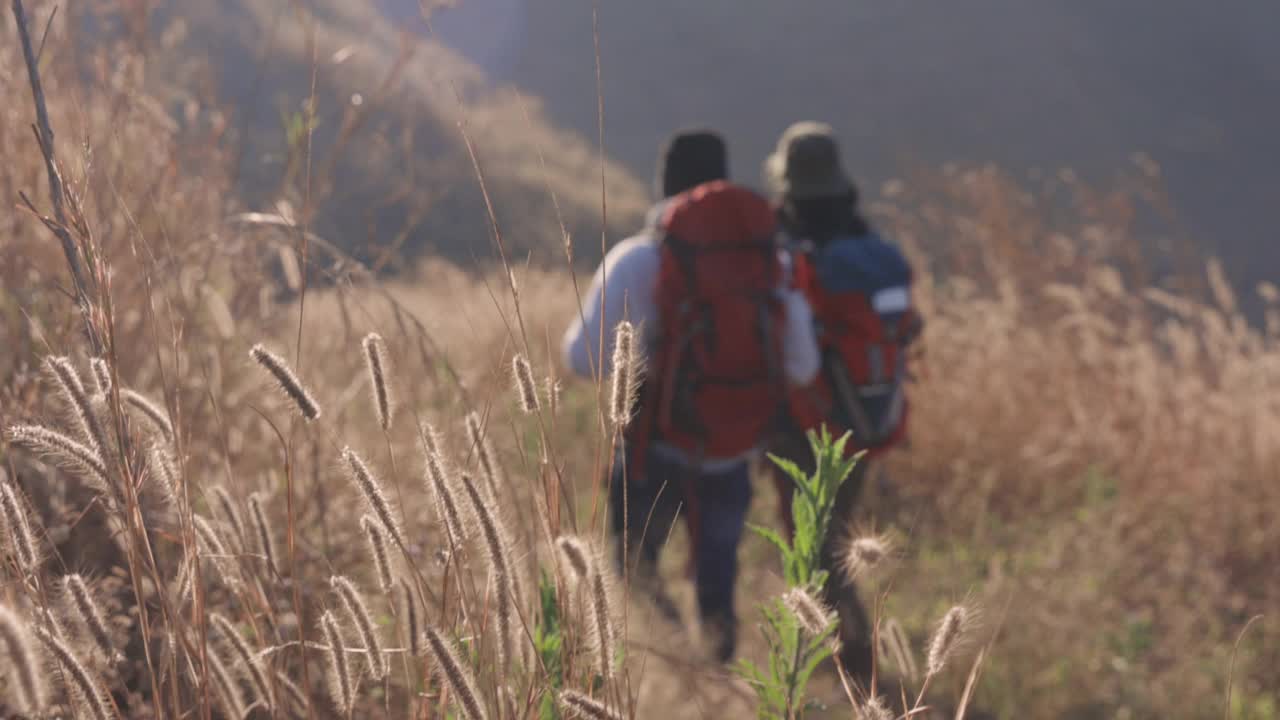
[(800, 357), (621, 289)]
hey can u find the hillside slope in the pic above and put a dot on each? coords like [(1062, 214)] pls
[(390, 163), (1042, 83)]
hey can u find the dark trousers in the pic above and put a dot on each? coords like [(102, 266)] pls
[(649, 506), (840, 593)]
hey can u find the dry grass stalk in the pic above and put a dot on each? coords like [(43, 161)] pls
[(457, 675), (622, 395), (80, 683), (14, 513), (522, 380), (378, 550), (494, 536), (262, 529), (74, 393), (946, 638), (87, 612), (51, 443), (288, 382), (580, 705), (248, 659), (341, 683), (362, 619), (25, 679), (369, 486), (375, 358)]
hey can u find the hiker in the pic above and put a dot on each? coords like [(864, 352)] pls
[(859, 287), (721, 338)]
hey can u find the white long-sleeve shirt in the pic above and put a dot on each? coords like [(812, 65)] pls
[(623, 288)]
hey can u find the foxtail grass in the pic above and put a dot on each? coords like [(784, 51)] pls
[(622, 394), (288, 382), (581, 705), (18, 529), (340, 681), (455, 674), (87, 612), (358, 612), (371, 489), (375, 358), (522, 382), (262, 529), (378, 551), (25, 677), (80, 683), (248, 660), (64, 449)]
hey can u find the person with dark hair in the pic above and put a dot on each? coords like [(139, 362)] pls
[(698, 283), (859, 286)]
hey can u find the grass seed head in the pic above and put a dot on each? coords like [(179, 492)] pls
[(14, 513), (494, 536), (950, 633), (288, 382), (341, 689), (362, 619), (873, 708), (74, 393), (77, 676), (26, 679), (457, 675), (864, 554), (581, 705), (811, 613), (378, 550), (373, 495), (247, 658), (262, 529), (64, 449), (522, 380), (154, 414), (88, 614), (622, 394), (375, 358), (101, 375)]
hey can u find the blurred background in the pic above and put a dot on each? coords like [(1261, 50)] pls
[(1084, 187)]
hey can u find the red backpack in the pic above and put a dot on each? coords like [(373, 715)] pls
[(715, 386), (860, 291)]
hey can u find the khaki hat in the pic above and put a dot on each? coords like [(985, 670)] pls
[(806, 163)]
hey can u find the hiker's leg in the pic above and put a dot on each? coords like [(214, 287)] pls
[(722, 501), (841, 593), (794, 446), (647, 510)]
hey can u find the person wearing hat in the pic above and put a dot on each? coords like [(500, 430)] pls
[(858, 285), (624, 289)]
